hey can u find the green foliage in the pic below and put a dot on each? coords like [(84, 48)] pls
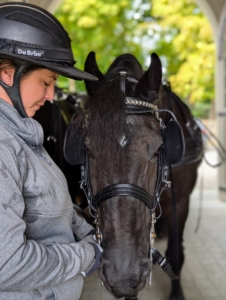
[(186, 43), (175, 29), (105, 27)]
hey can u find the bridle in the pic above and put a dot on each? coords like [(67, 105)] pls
[(132, 106)]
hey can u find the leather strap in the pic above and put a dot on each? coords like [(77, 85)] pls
[(123, 190), (13, 91), (162, 262)]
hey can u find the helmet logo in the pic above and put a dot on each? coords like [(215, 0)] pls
[(29, 52)]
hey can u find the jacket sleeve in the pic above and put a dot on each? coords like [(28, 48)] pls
[(80, 227), (27, 264)]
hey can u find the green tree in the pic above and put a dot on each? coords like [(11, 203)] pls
[(175, 29), (105, 27), (185, 42)]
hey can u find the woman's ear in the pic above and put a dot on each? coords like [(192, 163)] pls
[(7, 75)]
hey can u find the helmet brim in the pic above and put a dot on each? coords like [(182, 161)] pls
[(67, 71)]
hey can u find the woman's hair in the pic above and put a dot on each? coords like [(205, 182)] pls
[(8, 63)]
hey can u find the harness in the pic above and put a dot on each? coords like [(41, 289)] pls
[(136, 106), (170, 152)]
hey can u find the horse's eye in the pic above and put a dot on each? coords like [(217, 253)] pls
[(154, 157), (90, 154), (156, 153)]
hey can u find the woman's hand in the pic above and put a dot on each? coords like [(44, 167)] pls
[(98, 253)]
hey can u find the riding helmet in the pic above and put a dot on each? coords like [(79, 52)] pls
[(31, 35)]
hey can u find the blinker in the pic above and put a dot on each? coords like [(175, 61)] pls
[(74, 147), (173, 143)]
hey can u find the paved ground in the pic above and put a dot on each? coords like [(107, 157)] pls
[(204, 271)]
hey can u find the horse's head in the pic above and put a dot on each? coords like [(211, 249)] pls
[(118, 141), (122, 145)]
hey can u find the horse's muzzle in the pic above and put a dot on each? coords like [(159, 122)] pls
[(124, 283)]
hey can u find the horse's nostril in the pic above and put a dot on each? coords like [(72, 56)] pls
[(145, 271), (101, 273), (120, 292), (117, 280)]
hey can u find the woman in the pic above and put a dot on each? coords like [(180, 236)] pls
[(39, 258)]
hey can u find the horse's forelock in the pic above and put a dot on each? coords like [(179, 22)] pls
[(107, 124), (107, 119)]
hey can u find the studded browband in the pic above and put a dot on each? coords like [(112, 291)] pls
[(134, 105), (134, 101)]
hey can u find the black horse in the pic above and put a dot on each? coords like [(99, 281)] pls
[(131, 145)]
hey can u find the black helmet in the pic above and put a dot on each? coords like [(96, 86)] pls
[(31, 35)]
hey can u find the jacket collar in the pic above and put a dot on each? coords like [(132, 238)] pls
[(26, 128)]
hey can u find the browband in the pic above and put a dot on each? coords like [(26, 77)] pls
[(134, 101)]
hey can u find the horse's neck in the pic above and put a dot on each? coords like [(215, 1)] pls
[(165, 102), (170, 101)]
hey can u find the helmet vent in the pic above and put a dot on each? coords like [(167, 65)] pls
[(31, 21)]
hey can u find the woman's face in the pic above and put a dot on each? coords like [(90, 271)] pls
[(36, 87)]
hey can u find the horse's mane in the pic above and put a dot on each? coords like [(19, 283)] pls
[(173, 98)]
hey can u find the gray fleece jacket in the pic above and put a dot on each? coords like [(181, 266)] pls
[(39, 258)]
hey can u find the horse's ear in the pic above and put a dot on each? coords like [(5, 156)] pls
[(92, 68), (151, 80)]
